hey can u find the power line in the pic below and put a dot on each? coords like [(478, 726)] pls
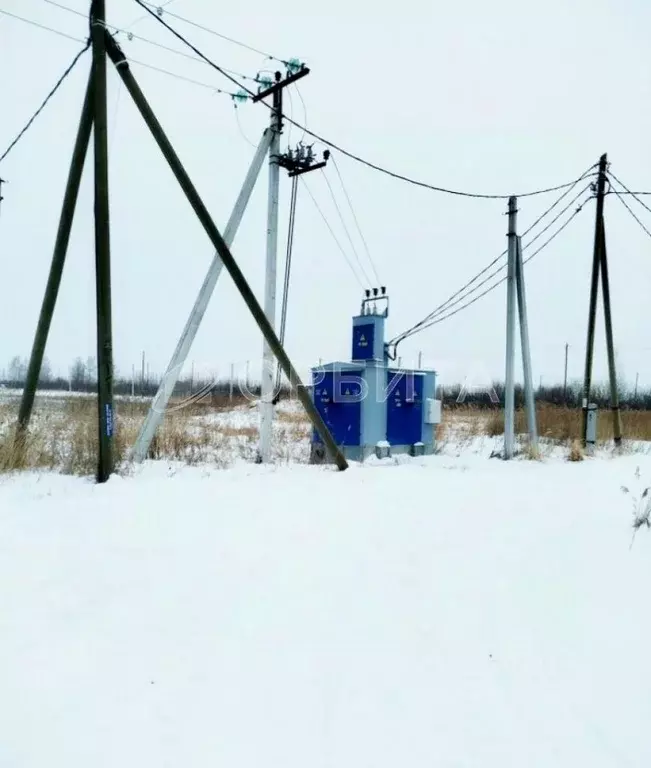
[(334, 237), (635, 195), (300, 96), (288, 271), (139, 63), (41, 26), (641, 194), (554, 220), (346, 230), (630, 210), (147, 6), (182, 77), (66, 8), (499, 282), (56, 87), (240, 129), (359, 229), (142, 18), (116, 30), (85, 15), (557, 233), (288, 259), (462, 292), (343, 151)]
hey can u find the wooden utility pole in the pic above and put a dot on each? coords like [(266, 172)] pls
[(594, 288), (600, 264), (58, 260), (102, 246), (95, 112)]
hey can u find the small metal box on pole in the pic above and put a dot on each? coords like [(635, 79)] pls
[(591, 427)]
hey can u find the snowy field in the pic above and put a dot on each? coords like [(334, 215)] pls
[(454, 611)]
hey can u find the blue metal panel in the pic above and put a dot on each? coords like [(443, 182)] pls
[(363, 341), (338, 400), (404, 408), (374, 408)]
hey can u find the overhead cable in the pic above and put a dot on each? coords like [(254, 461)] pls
[(635, 195), (630, 210), (359, 229), (346, 230), (41, 26), (339, 148), (56, 87), (463, 290), (116, 30), (137, 62), (155, 12), (334, 237), (440, 319)]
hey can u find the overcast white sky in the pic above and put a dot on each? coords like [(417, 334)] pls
[(499, 97)]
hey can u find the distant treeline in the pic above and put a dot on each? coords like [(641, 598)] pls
[(83, 378), (556, 394)]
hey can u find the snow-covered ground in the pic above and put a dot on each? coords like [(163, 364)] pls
[(453, 611)]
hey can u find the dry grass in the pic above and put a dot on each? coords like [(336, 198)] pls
[(63, 435), (556, 423), (575, 452), (292, 417)]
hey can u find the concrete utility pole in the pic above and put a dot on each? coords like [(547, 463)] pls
[(530, 400), (268, 363), (610, 344), (222, 248), (509, 392), (175, 366)]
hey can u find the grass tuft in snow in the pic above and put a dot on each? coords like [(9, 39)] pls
[(641, 502)]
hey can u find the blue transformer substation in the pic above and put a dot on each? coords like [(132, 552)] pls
[(372, 407)]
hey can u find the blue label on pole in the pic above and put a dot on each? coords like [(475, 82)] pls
[(109, 420)]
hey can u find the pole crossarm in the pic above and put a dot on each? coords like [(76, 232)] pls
[(281, 83)]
